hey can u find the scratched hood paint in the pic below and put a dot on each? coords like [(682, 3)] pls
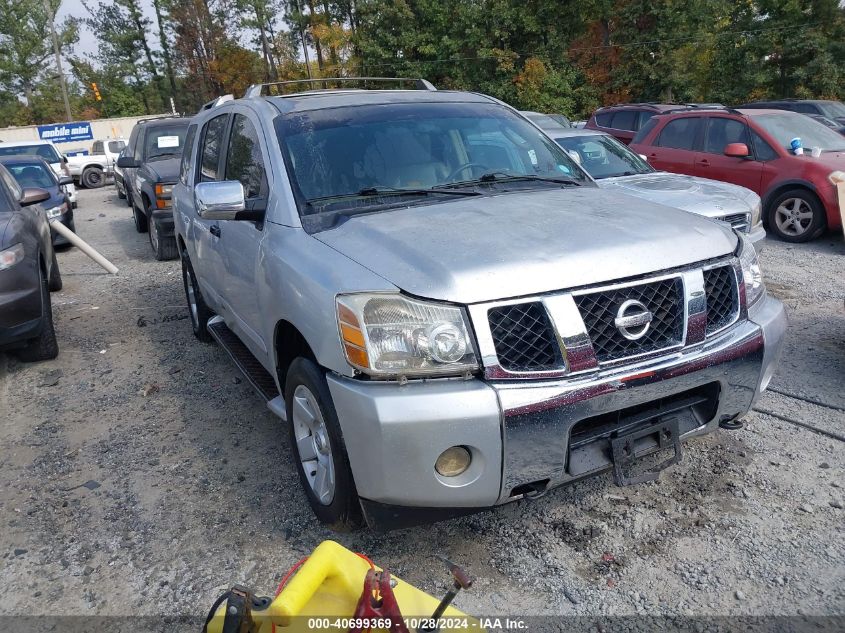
[(514, 244), (690, 193)]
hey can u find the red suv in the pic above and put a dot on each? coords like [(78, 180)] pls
[(625, 119), (753, 148)]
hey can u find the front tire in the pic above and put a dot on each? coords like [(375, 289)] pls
[(796, 216), (55, 282), (197, 308), (317, 443), (121, 195), (45, 347), (163, 247), (93, 178)]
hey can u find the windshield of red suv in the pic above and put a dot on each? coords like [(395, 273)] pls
[(339, 157), (604, 156), (785, 126)]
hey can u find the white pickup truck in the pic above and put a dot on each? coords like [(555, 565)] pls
[(91, 170)]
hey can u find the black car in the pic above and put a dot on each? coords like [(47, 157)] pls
[(33, 172), (28, 272), (150, 168), (834, 110)]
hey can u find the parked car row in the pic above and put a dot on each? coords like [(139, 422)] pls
[(443, 304)]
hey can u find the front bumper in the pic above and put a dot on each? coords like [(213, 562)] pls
[(519, 432), (758, 237), (67, 220)]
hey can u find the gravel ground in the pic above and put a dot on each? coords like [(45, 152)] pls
[(141, 475)]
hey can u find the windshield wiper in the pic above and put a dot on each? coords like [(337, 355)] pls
[(378, 192), (499, 176)]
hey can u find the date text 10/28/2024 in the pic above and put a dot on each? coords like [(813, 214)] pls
[(421, 624)]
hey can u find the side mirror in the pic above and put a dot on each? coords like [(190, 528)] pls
[(127, 161), (66, 180), (33, 195), (222, 200), (737, 150)]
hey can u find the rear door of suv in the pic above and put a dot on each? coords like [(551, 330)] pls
[(711, 162), (673, 146)]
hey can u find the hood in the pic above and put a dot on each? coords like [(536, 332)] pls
[(516, 244), (164, 170), (690, 193), (833, 160)]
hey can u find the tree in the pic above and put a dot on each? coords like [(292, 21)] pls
[(26, 48)]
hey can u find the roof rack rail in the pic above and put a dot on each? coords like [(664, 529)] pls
[(158, 118), (256, 90), (216, 102), (701, 108)]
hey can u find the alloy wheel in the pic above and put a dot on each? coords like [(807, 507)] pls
[(313, 444), (793, 216)]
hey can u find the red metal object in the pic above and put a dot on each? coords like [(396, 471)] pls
[(378, 602)]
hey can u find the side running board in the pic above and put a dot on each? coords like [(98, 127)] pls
[(253, 371)]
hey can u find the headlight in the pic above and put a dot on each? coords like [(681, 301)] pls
[(11, 256), (390, 335), (751, 273), (55, 212), (163, 193), (836, 177), (756, 212)]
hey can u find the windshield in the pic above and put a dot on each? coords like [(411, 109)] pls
[(833, 109), (548, 120), (165, 141), (47, 152), (603, 156), (335, 152), (786, 126), (33, 175)]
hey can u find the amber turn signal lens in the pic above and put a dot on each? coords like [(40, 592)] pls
[(353, 338)]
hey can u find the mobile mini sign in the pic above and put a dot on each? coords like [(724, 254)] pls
[(66, 132)]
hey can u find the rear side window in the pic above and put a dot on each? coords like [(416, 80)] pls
[(722, 132), (97, 148), (762, 150), (644, 117), (644, 130), (185, 165), (680, 133), (243, 160), (116, 146), (625, 120), (604, 119), (212, 143)]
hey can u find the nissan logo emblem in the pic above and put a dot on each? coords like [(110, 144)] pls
[(633, 319)]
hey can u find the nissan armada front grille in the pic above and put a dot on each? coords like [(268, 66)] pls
[(617, 322), (722, 297), (600, 311), (523, 337)]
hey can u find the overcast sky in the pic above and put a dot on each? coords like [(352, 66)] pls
[(88, 44)]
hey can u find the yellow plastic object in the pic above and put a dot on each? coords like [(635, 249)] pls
[(325, 590)]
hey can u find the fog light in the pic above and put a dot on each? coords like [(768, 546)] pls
[(453, 461)]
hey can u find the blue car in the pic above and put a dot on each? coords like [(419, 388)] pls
[(34, 172)]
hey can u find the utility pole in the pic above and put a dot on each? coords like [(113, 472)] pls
[(58, 53)]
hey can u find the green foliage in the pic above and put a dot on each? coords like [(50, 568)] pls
[(546, 55)]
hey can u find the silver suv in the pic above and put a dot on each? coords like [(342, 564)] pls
[(447, 311)]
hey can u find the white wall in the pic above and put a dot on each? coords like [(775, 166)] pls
[(101, 128)]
